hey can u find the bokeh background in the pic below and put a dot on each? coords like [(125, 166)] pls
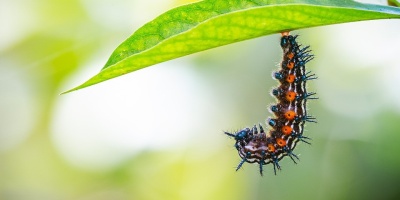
[(158, 133)]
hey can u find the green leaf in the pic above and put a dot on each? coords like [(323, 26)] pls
[(212, 23)]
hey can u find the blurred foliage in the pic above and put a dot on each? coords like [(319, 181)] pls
[(394, 3), (355, 144)]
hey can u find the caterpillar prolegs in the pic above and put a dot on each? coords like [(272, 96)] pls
[(254, 145)]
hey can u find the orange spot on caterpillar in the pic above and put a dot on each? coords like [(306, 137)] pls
[(286, 33), (290, 96), (287, 130), (290, 55), (281, 142), (290, 78), (289, 115), (271, 148), (290, 65)]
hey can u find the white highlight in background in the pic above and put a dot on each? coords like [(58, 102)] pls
[(154, 108)]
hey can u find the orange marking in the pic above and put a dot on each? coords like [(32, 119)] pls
[(271, 148), (287, 130), (290, 55), (290, 96), (290, 65), (281, 142), (289, 115), (286, 33), (290, 78)]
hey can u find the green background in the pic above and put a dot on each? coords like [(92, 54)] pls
[(158, 133)]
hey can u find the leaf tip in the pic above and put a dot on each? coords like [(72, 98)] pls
[(69, 91)]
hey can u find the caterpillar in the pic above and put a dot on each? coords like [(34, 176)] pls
[(254, 145)]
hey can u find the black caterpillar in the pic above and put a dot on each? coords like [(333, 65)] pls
[(256, 146)]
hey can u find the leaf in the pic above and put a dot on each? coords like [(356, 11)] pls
[(212, 23)]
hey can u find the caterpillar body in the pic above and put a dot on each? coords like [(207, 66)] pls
[(254, 145)]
